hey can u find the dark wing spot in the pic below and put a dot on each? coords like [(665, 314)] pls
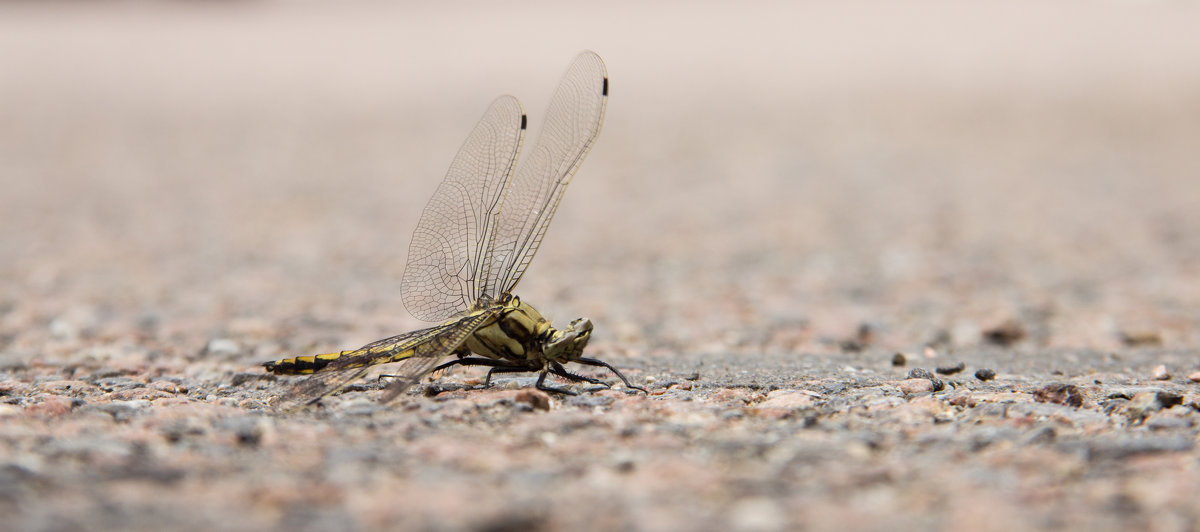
[(604, 91), (522, 121)]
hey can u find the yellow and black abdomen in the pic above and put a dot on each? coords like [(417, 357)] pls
[(304, 365), (434, 342)]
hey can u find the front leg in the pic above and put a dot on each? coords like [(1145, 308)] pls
[(559, 370), (603, 364), (541, 385)]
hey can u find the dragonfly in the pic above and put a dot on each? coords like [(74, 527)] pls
[(473, 243)]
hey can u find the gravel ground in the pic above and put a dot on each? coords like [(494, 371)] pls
[(878, 270)]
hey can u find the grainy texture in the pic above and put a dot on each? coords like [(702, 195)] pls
[(782, 200)]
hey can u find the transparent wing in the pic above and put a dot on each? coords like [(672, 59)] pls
[(449, 258), (573, 121), (418, 352), (409, 372)]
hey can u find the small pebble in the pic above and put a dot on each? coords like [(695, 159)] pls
[(1005, 334), (866, 334), (899, 360), (920, 373), (1063, 394), (1145, 403), (788, 399), (915, 386), (963, 399), (168, 386), (1141, 338), (53, 406), (851, 346), (537, 399), (951, 370), (1161, 373), (985, 374), (222, 347), (1194, 377)]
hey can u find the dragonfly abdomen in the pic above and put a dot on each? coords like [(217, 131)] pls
[(358, 358), (304, 365)]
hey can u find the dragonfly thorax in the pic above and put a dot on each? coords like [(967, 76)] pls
[(521, 333)]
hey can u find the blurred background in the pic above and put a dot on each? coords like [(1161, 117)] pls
[(772, 176)]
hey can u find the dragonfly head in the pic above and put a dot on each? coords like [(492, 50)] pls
[(567, 344)]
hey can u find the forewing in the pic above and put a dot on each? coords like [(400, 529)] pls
[(573, 121), (409, 372), (418, 352), (449, 259), (413, 369), (313, 388)]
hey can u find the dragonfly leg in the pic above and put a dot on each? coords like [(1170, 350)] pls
[(559, 370), (432, 371), (541, 385), (498, 366), (603, 364), (463, 362)]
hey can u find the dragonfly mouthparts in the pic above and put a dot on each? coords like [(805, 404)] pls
[(568, 343)]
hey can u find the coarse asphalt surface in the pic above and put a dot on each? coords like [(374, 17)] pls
[(792, 220)]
